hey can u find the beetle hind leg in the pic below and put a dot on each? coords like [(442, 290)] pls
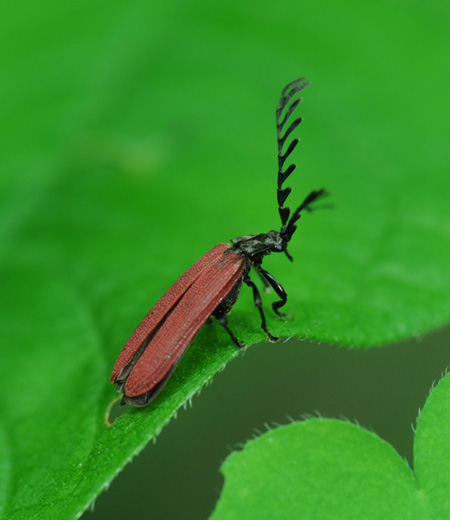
[(224, 307), (222, 319)]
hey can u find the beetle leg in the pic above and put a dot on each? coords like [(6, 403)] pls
[(265, 282), (224, 322), (278, 288), (258, 303)]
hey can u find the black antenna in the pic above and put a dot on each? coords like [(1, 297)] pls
[(290, 228), (282, 194)]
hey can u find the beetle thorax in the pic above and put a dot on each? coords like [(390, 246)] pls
[(255, 247)]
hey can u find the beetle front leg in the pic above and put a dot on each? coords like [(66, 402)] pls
[(278, 288), (264, 281), (258, 303)]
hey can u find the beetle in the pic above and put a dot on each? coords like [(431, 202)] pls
[(211, 286)]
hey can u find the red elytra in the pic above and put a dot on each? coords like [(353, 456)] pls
[(183, 309), (210, 287)]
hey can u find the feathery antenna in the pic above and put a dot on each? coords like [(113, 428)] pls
[(282, 194)]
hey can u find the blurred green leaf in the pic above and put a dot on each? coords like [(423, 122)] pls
[(134, 137), (324, 468)]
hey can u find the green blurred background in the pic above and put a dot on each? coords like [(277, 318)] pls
[(134, 136)]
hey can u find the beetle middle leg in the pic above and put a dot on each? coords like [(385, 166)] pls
[(258, 303)]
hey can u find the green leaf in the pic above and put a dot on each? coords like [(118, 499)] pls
[(135, 137), (432, 449), (324, 468), (56, 450)]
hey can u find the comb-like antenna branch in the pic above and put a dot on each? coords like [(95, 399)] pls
[(291, 128), (289, 112), (282, 176), (282, 195), (284, 213), (288, 92), (289, 85), (285, 98), (282, 158), (305, 205)]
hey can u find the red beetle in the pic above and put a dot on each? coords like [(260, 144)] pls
[(210, 287)]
